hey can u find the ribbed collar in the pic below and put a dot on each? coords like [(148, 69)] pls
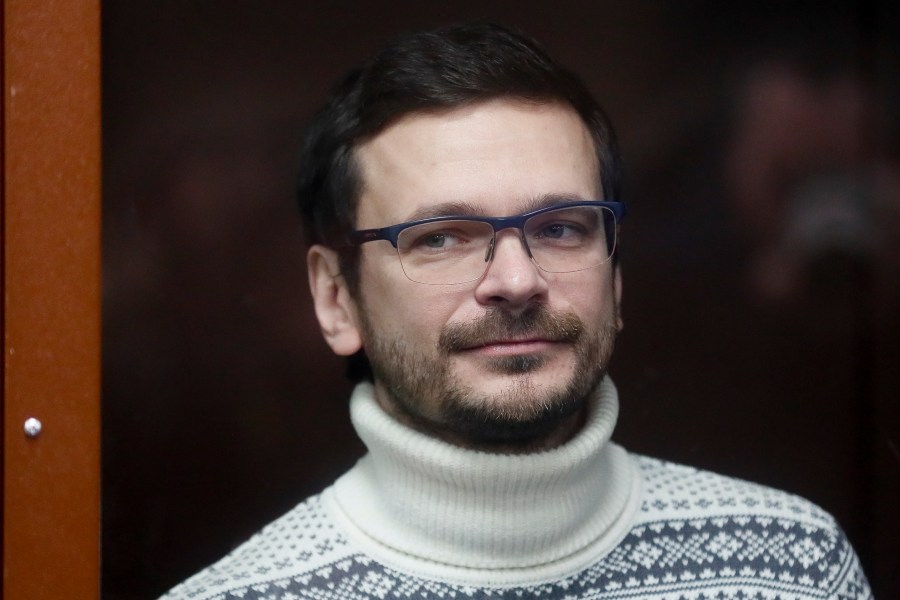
[(464, 508)]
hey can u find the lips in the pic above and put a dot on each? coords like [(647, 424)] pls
[(538, 339), (510, 348)]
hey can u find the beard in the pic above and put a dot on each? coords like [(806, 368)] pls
[(422, 387)]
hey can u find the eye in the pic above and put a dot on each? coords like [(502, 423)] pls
[(565, 228), (560, 231), (437, 240), (431, 240), (557, 231), (443, 236)]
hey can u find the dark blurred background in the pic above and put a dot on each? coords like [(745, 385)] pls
[(761, 256)]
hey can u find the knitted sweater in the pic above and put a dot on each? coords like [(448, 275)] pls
[(420, 518)]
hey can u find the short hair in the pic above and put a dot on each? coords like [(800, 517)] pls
[(441, 69)]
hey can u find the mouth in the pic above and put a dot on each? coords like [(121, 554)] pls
[(512, 347)]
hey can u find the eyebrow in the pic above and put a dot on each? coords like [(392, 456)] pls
[(547, 200), (445, 209), (467, 209)]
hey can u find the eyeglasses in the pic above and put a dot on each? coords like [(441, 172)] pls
[(447, 250)]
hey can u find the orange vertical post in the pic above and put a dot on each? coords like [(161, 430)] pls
[(51, 298)]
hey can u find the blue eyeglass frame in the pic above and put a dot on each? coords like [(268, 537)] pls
[(392, 232)]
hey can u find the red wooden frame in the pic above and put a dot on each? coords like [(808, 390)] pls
[(51, 291)]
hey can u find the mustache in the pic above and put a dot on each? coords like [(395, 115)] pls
[(499, 324)]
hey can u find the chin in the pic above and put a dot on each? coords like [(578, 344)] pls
[(513, 395), (519, 412)]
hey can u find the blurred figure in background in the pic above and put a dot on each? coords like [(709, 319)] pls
[(815, 193)]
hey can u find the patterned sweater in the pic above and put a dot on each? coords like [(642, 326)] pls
[(419, 518)]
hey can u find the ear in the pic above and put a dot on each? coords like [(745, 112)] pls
[(335, 307), (617, 291)]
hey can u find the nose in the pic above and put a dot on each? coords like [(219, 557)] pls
[(512, 279)]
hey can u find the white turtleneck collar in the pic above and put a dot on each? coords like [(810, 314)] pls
[(428, 506)]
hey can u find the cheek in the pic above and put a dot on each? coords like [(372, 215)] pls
[(400, 309), (591, 298)]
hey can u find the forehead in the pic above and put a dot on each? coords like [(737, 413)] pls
[(496, 158)]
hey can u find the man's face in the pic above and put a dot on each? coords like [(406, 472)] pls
[(510, 358)]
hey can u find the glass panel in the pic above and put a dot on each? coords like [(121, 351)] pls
[(444, 252), (569, 239)]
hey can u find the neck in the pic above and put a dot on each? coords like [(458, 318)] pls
[(414, 495)]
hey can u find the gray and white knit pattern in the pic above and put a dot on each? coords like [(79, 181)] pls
[(658, 531)]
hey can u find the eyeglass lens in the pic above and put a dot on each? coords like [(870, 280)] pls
[(457, 251)]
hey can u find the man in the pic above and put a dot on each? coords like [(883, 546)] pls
[(461, 196)]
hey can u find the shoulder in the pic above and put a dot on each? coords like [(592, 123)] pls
[(689, 516), (674, 490), (301, 541)]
